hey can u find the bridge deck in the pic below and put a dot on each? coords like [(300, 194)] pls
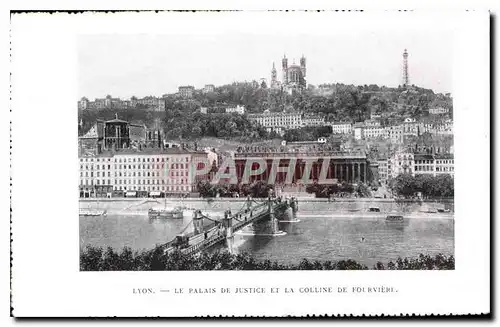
[(215, 234)]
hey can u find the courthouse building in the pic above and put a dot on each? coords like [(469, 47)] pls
[(348, 166)]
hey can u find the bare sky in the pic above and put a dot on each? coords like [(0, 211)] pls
[(148, 64)]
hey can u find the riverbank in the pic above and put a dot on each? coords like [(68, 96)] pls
[(342, 207)]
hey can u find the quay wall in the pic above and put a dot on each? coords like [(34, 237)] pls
[(131, 205)]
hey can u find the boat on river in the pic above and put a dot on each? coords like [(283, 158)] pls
[(176, 212), (92, 212), (165, 212), (429, 211), (394, 218)]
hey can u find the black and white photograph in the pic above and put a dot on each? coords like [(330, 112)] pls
[(266, 152), (261, 163)]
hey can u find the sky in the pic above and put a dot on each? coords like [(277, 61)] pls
[(125, 65)]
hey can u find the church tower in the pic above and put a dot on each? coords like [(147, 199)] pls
[(303, 66), (284, 64), (274, 77)]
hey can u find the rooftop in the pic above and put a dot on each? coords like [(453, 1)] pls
[(146, 151)]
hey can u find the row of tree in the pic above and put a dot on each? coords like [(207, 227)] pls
[(98, 259), (408, 186), (327, 190), (308, 133), (257, 189)]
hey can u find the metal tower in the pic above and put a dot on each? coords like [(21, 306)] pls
[(406, 78)]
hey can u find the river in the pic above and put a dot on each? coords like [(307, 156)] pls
[(316, 236)]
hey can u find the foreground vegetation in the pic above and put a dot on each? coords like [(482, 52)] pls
[(407, 186), (98, 259)]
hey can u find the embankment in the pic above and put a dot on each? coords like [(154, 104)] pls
[(350, 206)]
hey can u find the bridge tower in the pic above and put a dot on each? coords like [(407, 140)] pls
[(272, 217), (227, 223), (294, 204), (197, 222)]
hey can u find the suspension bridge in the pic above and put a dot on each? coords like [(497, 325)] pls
[(205, 236)]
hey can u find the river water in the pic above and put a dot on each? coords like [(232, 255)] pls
[(316, 236)]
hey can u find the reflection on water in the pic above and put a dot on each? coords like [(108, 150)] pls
[(366, 240)]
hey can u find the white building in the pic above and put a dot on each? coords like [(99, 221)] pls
[(373, 132), (412, 129), (277, 121), (382, 169), (169, 170), (96, 175), (438, 111), (308, 121), (401, 163), (358, 131), (238, 109), (425, 164), (434, 164), (208, 88), (395, 134), (341, 128), (445, 164), (372, 123), (83, 103)]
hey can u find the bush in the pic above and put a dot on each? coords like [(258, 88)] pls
[(95, 259)]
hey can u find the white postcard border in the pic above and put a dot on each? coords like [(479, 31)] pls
[(46, 279)]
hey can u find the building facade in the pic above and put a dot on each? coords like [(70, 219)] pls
[(438, 111), (435, 164), (238, 110), (374, 132), (209, 88), (401, 163), (169, 171), (342, 128), (294, 76), (186, 91), (278, 121), (383, 170), (313, 121), (342, 166), (117, 134)]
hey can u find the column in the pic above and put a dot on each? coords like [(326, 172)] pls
[(352, 172)]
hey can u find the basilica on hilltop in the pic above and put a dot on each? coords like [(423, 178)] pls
[(293, 76)]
